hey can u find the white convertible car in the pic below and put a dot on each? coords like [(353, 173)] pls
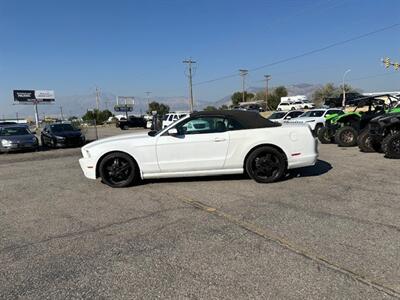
[(201, 144)]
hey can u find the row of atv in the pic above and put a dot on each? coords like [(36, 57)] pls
[(373, 125)]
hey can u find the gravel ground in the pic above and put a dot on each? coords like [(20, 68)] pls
[(331, 231)]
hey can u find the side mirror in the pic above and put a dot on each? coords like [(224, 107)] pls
[(173, 132), (288, 117)]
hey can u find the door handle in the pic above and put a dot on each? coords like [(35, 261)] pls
[(219, 139)]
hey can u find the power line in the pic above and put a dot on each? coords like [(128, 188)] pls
[(304, 54)]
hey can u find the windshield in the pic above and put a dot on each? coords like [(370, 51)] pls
[(277, 115), (10, 131), (61, 127), (313, 113)]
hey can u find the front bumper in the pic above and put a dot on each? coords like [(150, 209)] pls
[(18, 147), (88, 167)]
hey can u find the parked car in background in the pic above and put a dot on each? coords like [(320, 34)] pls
[(203, 144), (61, 135), (316, 118), (17, 138), (281, 116), (284, 106), (306, 104), (131, 122), (172, 117)]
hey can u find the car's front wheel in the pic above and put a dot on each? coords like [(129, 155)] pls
[(266, 164), (118, 170)]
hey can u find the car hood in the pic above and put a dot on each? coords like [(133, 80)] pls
[(18, 138), (119, 138), (68, 133), (302, 120)]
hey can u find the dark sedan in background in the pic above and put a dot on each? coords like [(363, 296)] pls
[(131, 122), (17, 138), (61, 135)]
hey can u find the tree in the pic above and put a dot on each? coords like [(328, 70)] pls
[(238, 97), (210, 108), (330, 90), (98, 115), (274, 98), (160, 108), (223, 107)]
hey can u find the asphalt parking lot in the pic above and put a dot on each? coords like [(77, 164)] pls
[(331, 231)]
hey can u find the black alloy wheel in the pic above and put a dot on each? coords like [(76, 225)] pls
[(118, 170), (346, 137), (391, 144), (266, 164)]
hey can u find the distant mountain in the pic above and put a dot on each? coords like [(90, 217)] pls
[(294, 89)]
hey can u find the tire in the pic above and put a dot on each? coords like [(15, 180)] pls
[(293, 108), (346, 137), (266, 164), (364, 142), (118, 170), (391, 146), (324, 137), (317, 129)]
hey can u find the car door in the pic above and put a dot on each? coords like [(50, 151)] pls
[(201, 144), (45, 134)]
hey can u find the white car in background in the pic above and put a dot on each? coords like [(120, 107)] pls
[(281, 116), (286, 106), (172, 117), (315, 118), (203, 144)]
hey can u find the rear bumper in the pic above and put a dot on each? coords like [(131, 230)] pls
[(303, 161), (306, 160), (88, 167)]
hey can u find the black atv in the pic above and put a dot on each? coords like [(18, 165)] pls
[(351, 128), (385, 132)]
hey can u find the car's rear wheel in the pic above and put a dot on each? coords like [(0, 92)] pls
[(364, 142), (324, 136), (266, 164), (346, 137), (391, 145), (118, 170)]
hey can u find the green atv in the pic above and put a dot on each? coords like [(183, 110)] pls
[(384, 131), (351, 128)]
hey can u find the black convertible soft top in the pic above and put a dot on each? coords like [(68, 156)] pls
[(248, 119)]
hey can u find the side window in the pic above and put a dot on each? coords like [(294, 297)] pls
[(232, 124), (170, 117), (203, 125)]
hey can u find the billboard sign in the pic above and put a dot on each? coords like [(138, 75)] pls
[(26, 96), (123, 107)]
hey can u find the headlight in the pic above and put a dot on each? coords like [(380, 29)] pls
[(310, 121), (5, 143), (86, 153)]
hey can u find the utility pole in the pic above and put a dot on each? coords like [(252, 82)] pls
[(243, 73), (97, 98), (267, 78), (189, 62), (61, 113), (148, 100)]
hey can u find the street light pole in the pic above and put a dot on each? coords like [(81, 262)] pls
[(267, 78), (344, 89), (243, 73)]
